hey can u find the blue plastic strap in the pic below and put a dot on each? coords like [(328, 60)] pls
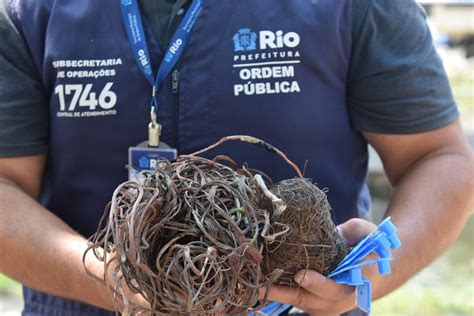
[(380, 241), (136, 36), (364, 296), (349, 271)]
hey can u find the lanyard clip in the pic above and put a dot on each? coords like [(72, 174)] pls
[(154, 129)]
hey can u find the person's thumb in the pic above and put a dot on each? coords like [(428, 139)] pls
[(356, 229)]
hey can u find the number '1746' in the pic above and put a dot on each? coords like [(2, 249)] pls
[(82, 96)]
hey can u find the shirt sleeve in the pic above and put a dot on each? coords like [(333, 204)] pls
[(24, 118), (396, 83)]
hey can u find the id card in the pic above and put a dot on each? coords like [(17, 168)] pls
[(142, 158)]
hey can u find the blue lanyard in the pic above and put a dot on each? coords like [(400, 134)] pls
[(136, 36)]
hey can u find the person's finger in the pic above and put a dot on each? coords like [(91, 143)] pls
[(295, 296), (354, 230), (308, 302), (323, 313), (321, 286)]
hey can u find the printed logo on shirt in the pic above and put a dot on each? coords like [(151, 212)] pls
[(79, 99), (245, 40), (266, 62)]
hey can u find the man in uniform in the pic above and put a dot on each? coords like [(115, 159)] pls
[(318, 79)]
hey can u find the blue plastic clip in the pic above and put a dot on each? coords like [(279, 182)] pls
[(349, 271), (381, 241)]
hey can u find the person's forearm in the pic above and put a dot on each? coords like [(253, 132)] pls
[(42, 252), (430, 206)]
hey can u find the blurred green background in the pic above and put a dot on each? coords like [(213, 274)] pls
[(444, 288), (447, 286)]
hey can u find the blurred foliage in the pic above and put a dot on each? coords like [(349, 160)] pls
[(9, 287), (444, 288), (461, 76), (463, 90)]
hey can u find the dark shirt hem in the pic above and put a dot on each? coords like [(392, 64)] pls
[(11, 151), (411, 127)]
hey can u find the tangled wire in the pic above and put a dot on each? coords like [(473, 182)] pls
[(199, 236), (313, 242)]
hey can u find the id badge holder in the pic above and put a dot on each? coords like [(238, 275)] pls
[(144, 158)]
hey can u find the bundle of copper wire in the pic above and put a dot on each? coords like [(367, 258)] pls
[(199, 236)]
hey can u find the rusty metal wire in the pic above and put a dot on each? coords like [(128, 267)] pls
[(313, 234), (191, 236)]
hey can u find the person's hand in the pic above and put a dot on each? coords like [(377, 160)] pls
[(322, 296), (124, 299)]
